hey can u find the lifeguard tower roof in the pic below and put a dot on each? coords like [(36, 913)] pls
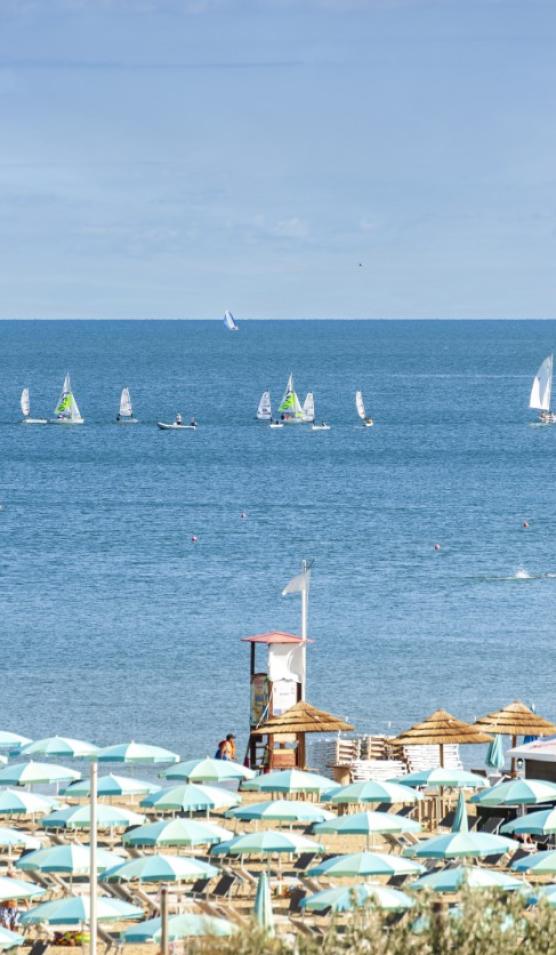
[(274, 636)]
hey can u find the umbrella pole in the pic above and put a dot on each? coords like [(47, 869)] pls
[(93, 859), (512, 770), (164, 920)]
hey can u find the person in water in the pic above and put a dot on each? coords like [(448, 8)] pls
[(193, 423), (178, 418)]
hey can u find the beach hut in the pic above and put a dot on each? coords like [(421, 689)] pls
[(440, 729), (515, 720), (293, 725)]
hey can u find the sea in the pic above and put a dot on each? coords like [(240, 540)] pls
[(133, 561)]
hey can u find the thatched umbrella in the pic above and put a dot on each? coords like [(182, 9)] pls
[(438, 729), (300, 719), (515, 720)]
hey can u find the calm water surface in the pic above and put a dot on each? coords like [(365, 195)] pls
[(115, 625)]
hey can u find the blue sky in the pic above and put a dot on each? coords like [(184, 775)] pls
[(171, 158)]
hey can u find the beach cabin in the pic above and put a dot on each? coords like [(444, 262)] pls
[(539, 758)]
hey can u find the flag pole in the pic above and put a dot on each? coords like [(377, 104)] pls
[(93, 858), (304, 615)]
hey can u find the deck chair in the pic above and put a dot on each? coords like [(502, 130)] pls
[(39, 947), (447, 821), (304, 861), (199, 888), (296, 897), (490, 824), (224, 886)]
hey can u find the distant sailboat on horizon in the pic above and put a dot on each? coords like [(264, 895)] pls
[(125, 414), (67, 410), (360, 405), (25, 403), (230, 322), (541, 391)]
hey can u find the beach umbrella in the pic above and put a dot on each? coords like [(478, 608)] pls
[(372, 790), (191, 797), (28, 774), (112, 786), (540, 823), (366, 824), (10, 939), (135, 753), (176, 832), (16, 837), (281, 810), (345, 899), (495, 758), (443, 777), (262, 909), (18, 889), (70, 858), (208, 771), (3, 760), (366, 863), (459, 845), (515, 720), (460, 823), (12, 741), (188, 925), (454, 878), (74, 910), (60, 746), (289, 781), (160, 868), (79, 817), (439, 729), (266, 842), (548, 893), (18, 802), (517, 792), (538, 863)]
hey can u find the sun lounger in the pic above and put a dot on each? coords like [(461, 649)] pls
[(39, 947)]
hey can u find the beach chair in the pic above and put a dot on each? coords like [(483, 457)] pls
[(304, 861), (39, 947), (224, 886), (490, 824), (199, 888)]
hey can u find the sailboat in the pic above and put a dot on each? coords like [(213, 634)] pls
[(290, 410), (230, 322), (25, 403), (541, 392), (309, 408), (360, 405), (264, 411), (125, 414), (67, 411)]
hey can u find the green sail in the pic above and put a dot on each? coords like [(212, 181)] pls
[(64, 405)]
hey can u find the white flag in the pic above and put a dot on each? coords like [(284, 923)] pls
[(298, 584)]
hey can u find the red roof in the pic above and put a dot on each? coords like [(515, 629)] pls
[(274, 636)]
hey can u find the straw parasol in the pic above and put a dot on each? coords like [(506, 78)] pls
[(300, 719), (438, 729), (515, 720)]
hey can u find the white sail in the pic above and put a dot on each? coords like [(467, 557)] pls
[(25, 403), (309, 407), (126, 409), (264, 411), (290, 409), (67, 409), (542, 386), (359, 404), (230, 322)]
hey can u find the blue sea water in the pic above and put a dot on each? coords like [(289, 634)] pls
[(116, 625)]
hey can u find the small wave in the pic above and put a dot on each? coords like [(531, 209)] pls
[(522, 574)]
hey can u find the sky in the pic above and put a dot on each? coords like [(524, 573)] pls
[(282, 158)]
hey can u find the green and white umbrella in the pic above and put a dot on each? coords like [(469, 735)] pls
[(16, 837), (176, 832), (461, 845), (71, 858), (289, 781), (540, 823), (366, 824), (160, 868), (12, 741), (372, 790), (136, 753), (208, 770), (364, 864), (18, 889), (112, 785), (74, 910), (18, 802), (538, 863), (345, 899), (281, 810), (267, 842), (444, 778), (191, 797), (29, 774), (10, 939), (188, 925), (516, 792), (59, 746), (262, 909), (79, 817), (495, 758), (454, 878)]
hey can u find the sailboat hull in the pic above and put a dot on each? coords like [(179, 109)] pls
[(294, 421), (67, 421), (127, 420), (34, 421)]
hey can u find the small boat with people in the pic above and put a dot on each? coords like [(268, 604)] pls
[(360, 405), (541, 392), (276, 424), (230, 322), (67, 411), (125, 414), (290, 409), (264, 411), (178, 424), (25, 402)]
